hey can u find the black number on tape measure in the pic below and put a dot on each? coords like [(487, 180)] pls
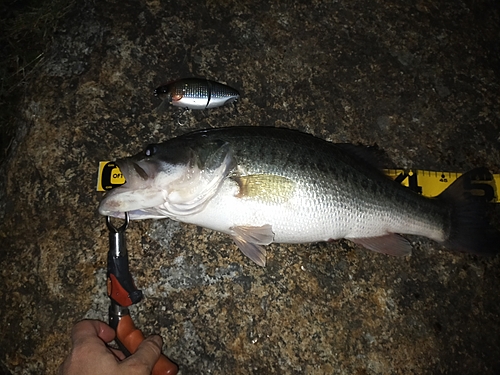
[(412, 181), (479, 187)]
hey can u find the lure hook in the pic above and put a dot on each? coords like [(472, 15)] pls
[(183, 116)]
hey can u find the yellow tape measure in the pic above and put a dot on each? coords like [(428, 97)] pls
[(427, 183), (432, 183)]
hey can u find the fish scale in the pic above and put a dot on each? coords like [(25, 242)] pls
[(327, 176)]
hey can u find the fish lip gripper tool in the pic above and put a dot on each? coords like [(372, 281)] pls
[(123, 293)]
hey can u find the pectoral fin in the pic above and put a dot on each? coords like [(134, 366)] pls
[(248, 239), (391, 244), (268, 188)]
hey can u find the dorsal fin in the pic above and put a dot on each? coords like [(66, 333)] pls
[(370, 155)]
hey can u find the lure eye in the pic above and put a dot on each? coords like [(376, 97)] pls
[(161, 90), (151, 150)]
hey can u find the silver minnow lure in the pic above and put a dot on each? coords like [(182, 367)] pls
[(197, 93), (261, 185)]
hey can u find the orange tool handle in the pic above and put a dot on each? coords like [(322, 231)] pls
[(131, 337)]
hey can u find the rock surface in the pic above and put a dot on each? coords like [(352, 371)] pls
[(418, 78)]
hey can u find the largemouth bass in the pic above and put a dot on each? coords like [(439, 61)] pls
[(261, 185)]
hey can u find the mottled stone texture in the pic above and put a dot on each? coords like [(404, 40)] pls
[(418, 78)]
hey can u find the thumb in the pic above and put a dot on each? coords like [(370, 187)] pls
[(147, 354)]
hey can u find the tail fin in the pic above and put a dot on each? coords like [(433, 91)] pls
[(469, 197)]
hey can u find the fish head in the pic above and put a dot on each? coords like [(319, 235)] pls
[(149, 177), (168, 180)]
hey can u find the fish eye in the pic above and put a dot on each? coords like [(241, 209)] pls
[(151, 150)]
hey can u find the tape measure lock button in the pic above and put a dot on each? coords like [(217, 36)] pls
[(110, 176)]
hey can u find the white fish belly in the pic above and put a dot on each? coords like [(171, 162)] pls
[(303, 218)]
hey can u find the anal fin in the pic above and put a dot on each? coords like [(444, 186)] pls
[(248, 239), (391, 244)]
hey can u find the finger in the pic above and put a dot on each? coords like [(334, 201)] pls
[(117, 353), (91, 331), (106, 333), (147, 353)]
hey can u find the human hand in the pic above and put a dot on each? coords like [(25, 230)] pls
[(91, 356)]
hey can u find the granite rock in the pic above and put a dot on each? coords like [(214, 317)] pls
[(419, 79)]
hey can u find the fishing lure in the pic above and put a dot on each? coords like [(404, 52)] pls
[(196, 93)]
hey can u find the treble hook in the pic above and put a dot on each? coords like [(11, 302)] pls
[(183, 116)]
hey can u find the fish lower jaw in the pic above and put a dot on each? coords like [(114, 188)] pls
[(117, 214)]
